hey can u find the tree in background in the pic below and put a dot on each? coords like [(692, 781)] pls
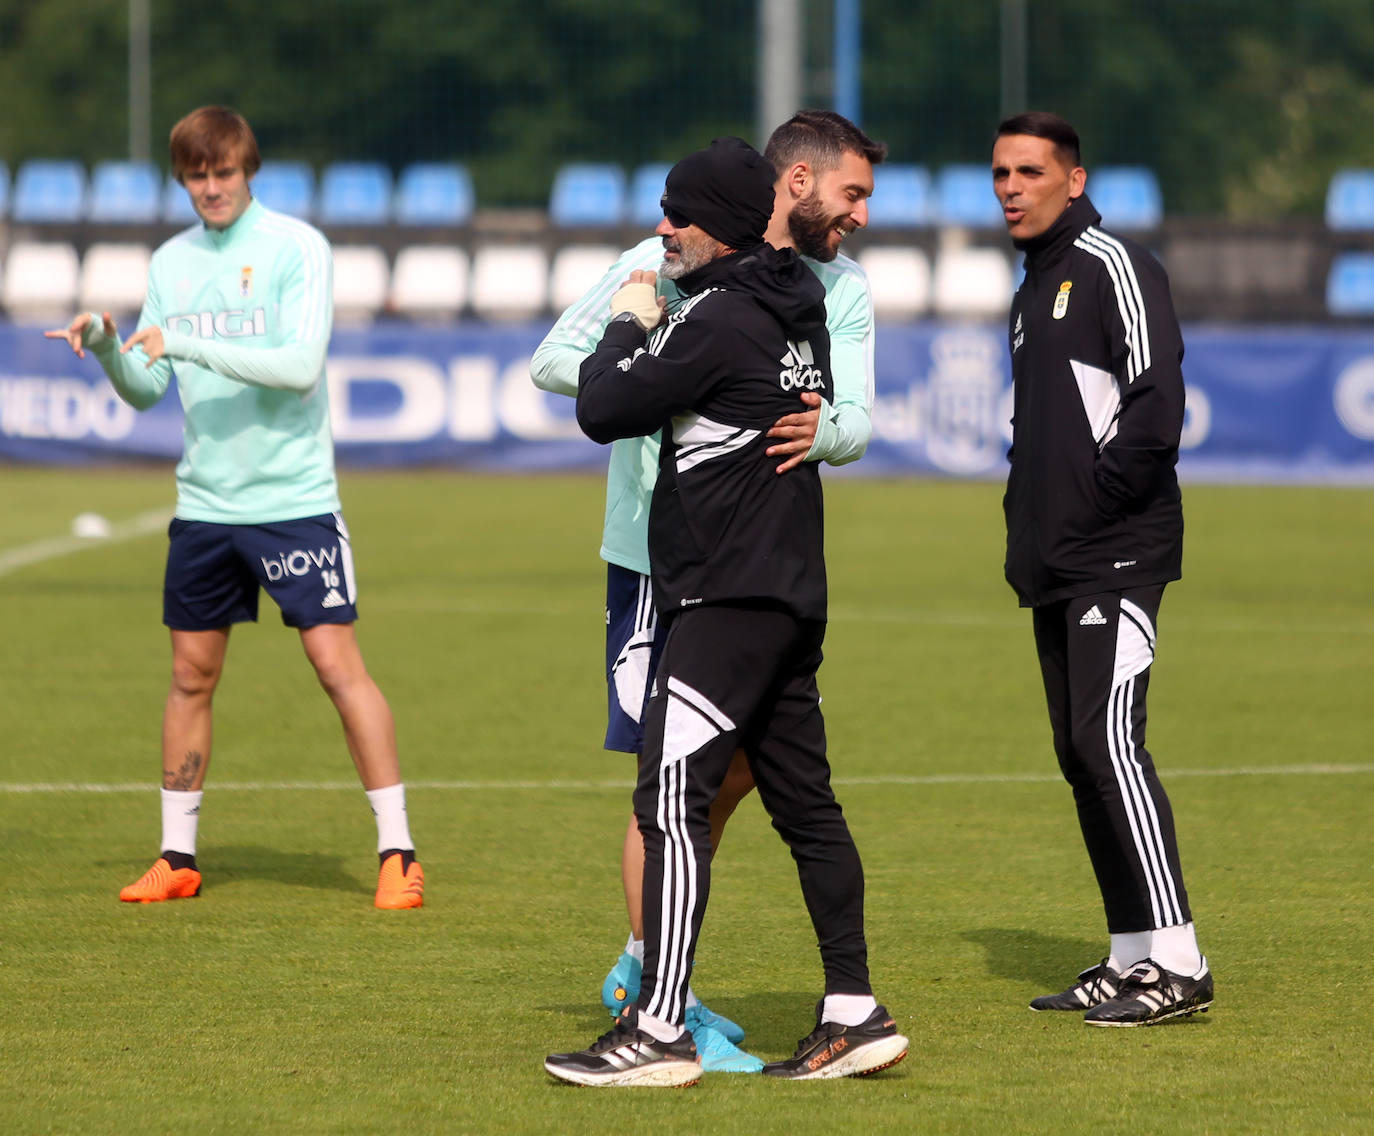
[(1242, 109)]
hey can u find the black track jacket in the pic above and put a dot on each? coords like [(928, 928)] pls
[(1092, 501), (724, 526)]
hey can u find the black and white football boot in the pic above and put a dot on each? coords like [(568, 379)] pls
[(626, 1055), (1095, 985), (1150, 994)]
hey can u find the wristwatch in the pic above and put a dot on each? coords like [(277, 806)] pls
[(626, 317)]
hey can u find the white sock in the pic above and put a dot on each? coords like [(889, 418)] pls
[(1129, 949), (692, 999), (1175, 949), (658, 1028), (389, 807), (635, 948), (180, 815), (848, 1009)]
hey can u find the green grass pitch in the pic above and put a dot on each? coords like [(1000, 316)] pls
[(281, 1001)]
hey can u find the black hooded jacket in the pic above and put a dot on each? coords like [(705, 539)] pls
[(1092, 501), (735, 356)]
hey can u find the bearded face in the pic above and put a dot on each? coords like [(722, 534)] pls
[(812, 228), (834, 206), (686, 250)]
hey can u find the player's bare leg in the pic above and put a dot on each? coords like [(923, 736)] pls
[(369, 728), (197, 663), (370, 733)]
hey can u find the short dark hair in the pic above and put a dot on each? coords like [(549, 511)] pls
[(210, 135), (1043, 124), (821, 138)]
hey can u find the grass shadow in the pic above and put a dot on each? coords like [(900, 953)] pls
[(231, 863), (1047, 961)]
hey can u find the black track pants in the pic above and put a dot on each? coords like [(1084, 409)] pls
[(733, 677), (1095, 657)]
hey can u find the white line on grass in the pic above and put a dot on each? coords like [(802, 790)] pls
[(1317, 770), (56, 547)]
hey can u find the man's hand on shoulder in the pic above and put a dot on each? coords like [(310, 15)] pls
[(800, 431), (638, 298)]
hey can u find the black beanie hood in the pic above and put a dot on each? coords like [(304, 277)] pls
[(726, 189)]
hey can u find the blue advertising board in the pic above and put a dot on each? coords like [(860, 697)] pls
[(1264, 404)]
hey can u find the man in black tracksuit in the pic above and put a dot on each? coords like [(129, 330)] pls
[(1094, 532), (738, 571)]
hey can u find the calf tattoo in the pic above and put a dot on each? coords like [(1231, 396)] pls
[(181, 780)]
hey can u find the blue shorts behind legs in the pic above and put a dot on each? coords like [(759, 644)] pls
[(214, 572), (633, 644)]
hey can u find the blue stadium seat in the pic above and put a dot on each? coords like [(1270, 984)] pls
[(4, 188), (125, 191), (287, 187), (1350, 200), (646, 193), (901, 197), (1128, 197), (176, 203), (588, 193), (49, 190), (354, 193), (963, 196), (433, 193), (1350, 284)]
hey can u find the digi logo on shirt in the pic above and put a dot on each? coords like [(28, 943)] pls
[(224, 325)]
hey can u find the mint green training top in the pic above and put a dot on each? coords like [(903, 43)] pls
[(245, 314), (841, 436)]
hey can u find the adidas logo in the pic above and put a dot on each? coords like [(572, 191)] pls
[(1093, 617), (333, 599)]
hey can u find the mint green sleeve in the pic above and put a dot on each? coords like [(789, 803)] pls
[(845, 426), (579, 329), (137, 383), (306, 300)]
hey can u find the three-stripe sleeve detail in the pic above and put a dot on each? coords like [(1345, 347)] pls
[(1130, 300)]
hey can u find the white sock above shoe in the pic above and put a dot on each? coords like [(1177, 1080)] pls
[(389, 807), (180, 818), (848, 1009), (1176, 949), (659, 1029), (1129, 949), (635, 948)]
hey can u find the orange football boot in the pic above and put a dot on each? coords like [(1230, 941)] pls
[(162, 881), (397, 888)]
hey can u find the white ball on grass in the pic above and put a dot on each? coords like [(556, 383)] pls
[(91, 526)]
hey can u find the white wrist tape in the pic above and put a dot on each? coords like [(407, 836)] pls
[(640, 301)]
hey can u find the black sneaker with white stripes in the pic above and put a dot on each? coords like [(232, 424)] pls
[(626, 1055), (1095, 985), (833, 1050), (1151, 994)]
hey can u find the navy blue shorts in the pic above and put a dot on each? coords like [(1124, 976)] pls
[(214, 572), (634, 642)]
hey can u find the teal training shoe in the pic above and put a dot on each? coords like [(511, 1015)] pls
[(714, 1021), (621, 987), (715, 1052), (622, 984)]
